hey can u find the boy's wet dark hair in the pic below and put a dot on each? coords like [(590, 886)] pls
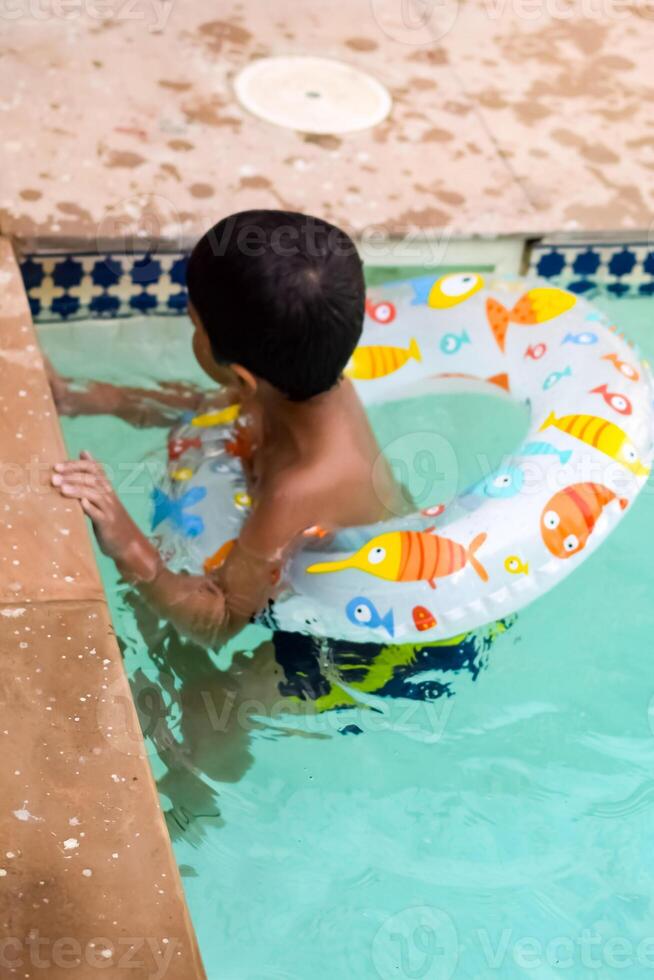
[(282, 294)]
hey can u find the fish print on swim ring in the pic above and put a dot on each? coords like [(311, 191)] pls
[(447, 291), (584, 442), (602, 435), (409, 556), (536, 306), (569, 517)]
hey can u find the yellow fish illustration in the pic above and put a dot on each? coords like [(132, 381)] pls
[(368, 363), (453, 289), (516, 566), (535, 306), (410, 556), (605, 436), (242, 500), (222, 417), (185, 473)]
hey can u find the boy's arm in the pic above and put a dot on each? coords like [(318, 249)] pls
[(208, 609), (140, 407)]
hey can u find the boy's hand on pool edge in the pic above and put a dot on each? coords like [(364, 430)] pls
[(119, 537)]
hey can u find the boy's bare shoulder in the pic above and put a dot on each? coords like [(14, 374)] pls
[(285, 505)]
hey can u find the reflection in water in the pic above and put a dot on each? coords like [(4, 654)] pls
[(202, 720)]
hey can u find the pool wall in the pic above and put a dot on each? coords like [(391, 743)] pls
[(81, 280), (87, 876)]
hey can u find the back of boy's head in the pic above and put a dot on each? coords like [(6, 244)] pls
[(282, 294)]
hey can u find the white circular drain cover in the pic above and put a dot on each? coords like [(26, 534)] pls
[(312, 95)]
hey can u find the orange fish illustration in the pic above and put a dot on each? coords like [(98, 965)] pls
[(376, 361), (410, 556), (315, 531), (501, 380), (536, 306), (240, 445), (625, 369), (423, 619), (213, 562), (569, 517)]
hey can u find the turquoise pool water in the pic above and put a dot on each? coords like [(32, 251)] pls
[(491, 817)]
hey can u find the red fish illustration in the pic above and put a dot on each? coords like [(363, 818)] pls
[(423, 619), (434, 511), (569, 517), (536, 351), (619, 403), (383, 312), (177, 447)]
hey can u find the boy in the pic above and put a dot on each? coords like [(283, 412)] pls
[(277, 302)]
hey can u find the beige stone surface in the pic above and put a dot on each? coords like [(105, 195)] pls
[(515, 117), (87, 877), (85, 863), (508, 118), (44, 546), (566, 99)]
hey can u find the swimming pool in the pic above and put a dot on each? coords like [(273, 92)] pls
[(487, 816)]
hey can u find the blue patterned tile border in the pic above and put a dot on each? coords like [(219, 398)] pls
[(66, 287), (77, 285), (620, 269)]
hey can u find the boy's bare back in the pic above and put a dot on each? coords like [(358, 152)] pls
[(277, 327), (323, 458)]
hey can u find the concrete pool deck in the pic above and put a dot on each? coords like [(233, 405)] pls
[(87, 877), (521, 118), (120, 125)]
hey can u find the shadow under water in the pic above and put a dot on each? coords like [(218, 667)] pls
[(201, 720)]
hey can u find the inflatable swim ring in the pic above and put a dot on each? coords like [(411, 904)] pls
[(508, 539)]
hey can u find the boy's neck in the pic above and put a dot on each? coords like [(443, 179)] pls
[(300, 421)]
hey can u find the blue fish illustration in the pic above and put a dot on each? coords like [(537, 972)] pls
[(503, 483), (362, 612), (421, 286), (451, 343), (220, 465), (544, 449), (585, 337), (173, 509), (554, 378)]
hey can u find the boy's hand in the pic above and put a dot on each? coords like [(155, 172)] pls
[(59, 386), (117, 534)]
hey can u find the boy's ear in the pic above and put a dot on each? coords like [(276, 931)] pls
[(245, 377)]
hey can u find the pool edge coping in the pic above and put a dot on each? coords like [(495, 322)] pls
[(80, 599)]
